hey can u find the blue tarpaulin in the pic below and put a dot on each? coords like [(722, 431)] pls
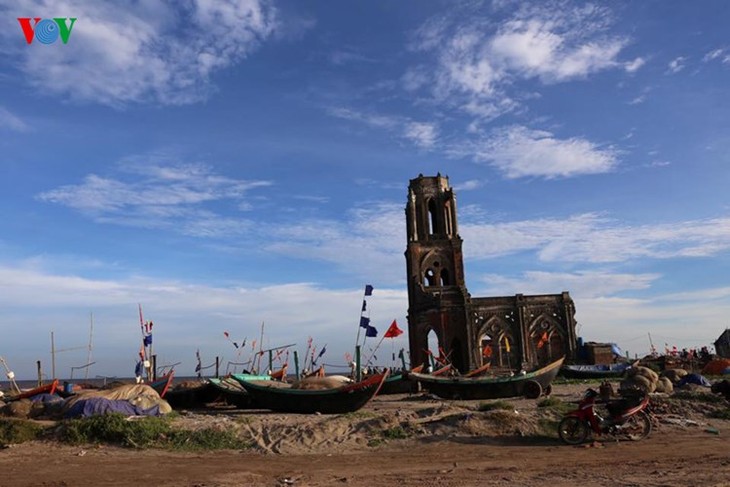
[(99, 405), (694, 379)]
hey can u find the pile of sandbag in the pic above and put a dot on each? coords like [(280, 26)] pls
[(674, 375), (645, 380)]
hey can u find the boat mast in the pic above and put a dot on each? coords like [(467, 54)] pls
[(91, 337)]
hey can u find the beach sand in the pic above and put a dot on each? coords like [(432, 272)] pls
[(396, 440)]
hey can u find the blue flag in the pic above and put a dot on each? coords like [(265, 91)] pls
[(147, 340), (364, 305), (364, 322), (371, 331), (368, 290)]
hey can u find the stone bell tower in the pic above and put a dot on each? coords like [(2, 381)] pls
[(437, 293), (507, 331)]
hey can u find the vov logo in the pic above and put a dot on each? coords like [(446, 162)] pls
[(46, 31)]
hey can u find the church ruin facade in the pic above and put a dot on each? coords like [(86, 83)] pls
[(513, 331)]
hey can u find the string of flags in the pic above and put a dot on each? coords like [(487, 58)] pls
[(370, 331)]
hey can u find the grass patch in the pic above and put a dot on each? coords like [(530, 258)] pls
[(548, 427), (149, 432), (394, 433), (13, 431), (555, 404), (360, 415), (721, 414), (495, 406), (375, 442)]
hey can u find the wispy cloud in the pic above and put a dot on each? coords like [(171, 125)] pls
[(676, 65), (723, 55), (12, 122), (119, 54), (596, 239), (518, 151), (421, 134), (477, 61), (581, 284), (157, 191), (635, 65)]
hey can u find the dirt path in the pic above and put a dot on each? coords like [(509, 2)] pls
[(669, 457)]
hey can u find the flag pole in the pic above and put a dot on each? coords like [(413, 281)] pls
[(374, 350), (365, 293)]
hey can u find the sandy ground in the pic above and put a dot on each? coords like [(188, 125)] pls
[(446, 444)]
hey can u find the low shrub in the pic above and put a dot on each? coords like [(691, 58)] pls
[(148, 432), (495, 406), (395, 433), (14, 431)]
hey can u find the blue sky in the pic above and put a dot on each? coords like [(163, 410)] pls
[(230, 163)]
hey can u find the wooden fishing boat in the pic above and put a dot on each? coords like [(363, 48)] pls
[(49, 388), (162, 383), (598, 371), (233, 392), (191, 394), (279, 374), (529, 384), (280, 397), (399, 383)]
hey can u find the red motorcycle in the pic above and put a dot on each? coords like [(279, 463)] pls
[(627, 417)]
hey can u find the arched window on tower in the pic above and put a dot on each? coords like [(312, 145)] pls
[(445, 277), (429, 277), (432, 219), (448, 219)]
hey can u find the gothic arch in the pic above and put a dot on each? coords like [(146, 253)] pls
[(436, 270), (546, 338), (504, 351)]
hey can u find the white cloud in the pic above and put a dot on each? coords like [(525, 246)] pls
[(635, 65), (469, 185), (677, 64), (521, 152), (714, 54), (158, 191), (186, 316), (118, 54), (422, 134), (478, 60), (375, 230), (581, 284), (12, 122), (591, 238)]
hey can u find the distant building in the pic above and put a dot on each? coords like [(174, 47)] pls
[(722, 344), (515, 331)]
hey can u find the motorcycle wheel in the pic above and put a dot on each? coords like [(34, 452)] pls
[(637, 427), (572, 430)]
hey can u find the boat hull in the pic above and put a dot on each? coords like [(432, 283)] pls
[(490, 387), (192, 397), (593, 371), (344, 399)]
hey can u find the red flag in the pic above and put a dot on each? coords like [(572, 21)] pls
[(543, 340), (393, 331), (226, 334)]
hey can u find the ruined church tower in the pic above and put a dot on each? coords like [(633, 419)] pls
[(512, 332), (436, 289)]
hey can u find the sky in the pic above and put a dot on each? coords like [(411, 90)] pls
[(225, 164)]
